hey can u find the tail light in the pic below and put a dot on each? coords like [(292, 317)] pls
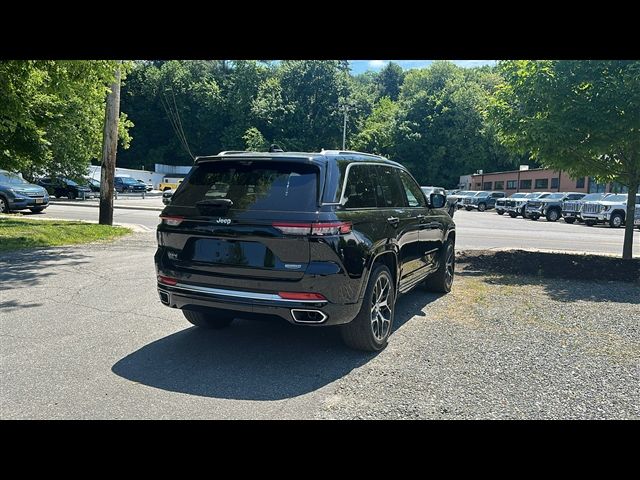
[(171, 221), (167, 280), (319, 229), (301, 296)]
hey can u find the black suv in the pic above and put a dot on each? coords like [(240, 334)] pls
[(326, 238), (128, 184), (65, 187)]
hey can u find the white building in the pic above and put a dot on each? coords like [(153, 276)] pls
[(162, 173)]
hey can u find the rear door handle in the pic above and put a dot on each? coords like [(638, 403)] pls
[(393, 221)]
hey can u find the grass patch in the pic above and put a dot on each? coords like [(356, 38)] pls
[(17, 233)]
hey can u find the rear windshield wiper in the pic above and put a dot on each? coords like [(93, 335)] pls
[(215, 202)]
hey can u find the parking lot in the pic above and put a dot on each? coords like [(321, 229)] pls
[(84, 335)]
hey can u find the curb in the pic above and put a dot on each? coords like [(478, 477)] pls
[(123, 207)]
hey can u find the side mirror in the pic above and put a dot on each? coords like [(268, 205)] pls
[(437, 200)]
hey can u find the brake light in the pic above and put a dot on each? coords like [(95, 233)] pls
[(333, 228), (172, 221), (320, 229), (293, 228), (167, 280), (301, 296)]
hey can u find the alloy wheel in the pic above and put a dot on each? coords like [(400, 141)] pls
[(380, 308), (449, 268)]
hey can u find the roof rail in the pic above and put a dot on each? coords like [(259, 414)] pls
[(232, 152), (350, 152)]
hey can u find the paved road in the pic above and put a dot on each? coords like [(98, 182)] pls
[(476, 230), (83, 335)]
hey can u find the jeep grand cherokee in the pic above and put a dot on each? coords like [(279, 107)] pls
[(327, 238)]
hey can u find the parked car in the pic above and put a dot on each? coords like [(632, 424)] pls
[(482, 200), (501, 203), (571, 208), (636, 217), (458, 197), (168, 184), (166, 196), (611, 210), (18, 194), (65, 187), (450, 207), (551, 206), (93, 184), (326, 238), (148, 187), (516, 206), (128, 185)]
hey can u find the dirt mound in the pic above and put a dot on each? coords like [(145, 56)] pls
[(552, 265)]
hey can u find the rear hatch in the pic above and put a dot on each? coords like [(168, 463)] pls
[(242, 218)]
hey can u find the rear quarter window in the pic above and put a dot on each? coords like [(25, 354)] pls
[(252, 185)]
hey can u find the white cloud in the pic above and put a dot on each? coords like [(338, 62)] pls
[(377, 63)]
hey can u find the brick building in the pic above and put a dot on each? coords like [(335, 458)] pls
[(534, 180)]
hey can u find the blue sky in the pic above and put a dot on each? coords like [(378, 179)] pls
[(360, 66)]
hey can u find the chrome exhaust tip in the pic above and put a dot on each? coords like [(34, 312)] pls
[(307, 316)]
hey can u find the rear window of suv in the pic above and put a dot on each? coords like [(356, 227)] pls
[(252, 185)]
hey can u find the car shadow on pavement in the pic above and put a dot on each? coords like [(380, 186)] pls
[(30, 267), (12, 305), (251, 360)]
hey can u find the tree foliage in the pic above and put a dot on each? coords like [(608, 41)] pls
[(578, 116), (52, 114)]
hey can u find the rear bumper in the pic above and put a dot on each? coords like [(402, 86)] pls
[(250, 304)]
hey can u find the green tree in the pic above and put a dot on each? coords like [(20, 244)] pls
[(441, 131), (298, 108), (390, 80), (578, 116), (52, 113), (377, 133)]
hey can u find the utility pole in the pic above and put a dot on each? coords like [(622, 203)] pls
[(109, 148), (344, 128)]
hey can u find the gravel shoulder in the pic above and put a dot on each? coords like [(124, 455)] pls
[(504, 347)]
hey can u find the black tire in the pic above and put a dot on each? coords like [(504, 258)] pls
[(468, 209), (569, 219), (37, 209), (522, 212), (4, 205), (213, 319), (553, 215), (500, 212), (616, 220), (533, 217), (482, 207), (579, 220), (442, 280), (513, 214), (71, 195), (590, 223), (360, 333)]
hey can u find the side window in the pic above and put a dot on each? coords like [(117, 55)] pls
[(389, 189), (360, 190), (415, 196)]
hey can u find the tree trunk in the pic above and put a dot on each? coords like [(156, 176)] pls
[(627, 248), (109, 148)]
